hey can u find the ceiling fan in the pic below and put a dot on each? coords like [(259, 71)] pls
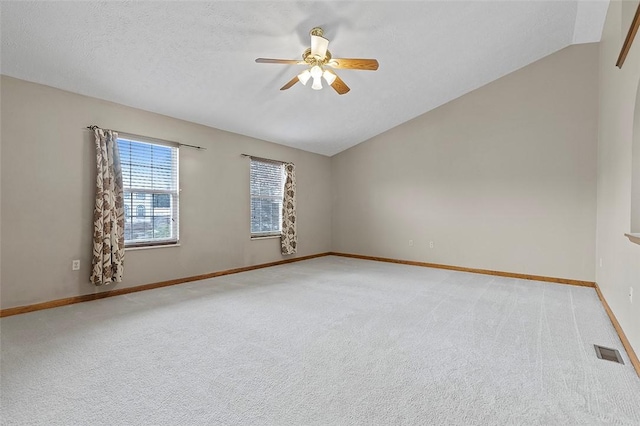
[(318, 59)]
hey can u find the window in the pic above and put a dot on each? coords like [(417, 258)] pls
[(150, 179), (267, 184), (161, 201)]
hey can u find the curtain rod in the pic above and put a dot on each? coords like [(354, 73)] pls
[(266, 159), (133, 134)]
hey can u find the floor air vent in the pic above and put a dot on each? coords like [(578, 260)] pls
[(608, 354)]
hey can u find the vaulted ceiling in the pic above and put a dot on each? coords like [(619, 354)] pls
[(195, 60)]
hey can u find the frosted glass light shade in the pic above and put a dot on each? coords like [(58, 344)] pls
[(316, 71), (304, 76), (317, 83), (329, 77)]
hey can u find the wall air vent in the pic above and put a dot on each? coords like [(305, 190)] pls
[(608, 354)]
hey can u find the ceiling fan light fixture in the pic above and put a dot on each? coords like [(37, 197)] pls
[(329, 77), (304, 76)]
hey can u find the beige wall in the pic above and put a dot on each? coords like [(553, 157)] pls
[(48, 161), (635, 169), (503, 178), (620, 258)]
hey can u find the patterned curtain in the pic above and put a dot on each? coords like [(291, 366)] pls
[(108, 215), (289, 238)]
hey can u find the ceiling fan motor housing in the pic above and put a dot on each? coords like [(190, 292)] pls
[(312, 60)]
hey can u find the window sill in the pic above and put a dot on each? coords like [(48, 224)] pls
[(264, 237), (634, 237), (159, 246)]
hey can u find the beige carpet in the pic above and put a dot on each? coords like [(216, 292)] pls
[(329, 341)]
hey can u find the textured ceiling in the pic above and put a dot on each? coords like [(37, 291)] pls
[(195, 60)]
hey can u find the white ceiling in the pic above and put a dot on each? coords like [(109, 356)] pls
[(195, 60)]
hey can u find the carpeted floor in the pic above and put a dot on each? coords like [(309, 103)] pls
[(329, 341)]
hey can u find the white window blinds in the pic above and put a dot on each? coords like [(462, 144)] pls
[(267, 184), (150, 180)]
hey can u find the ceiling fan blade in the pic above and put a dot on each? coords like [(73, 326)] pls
[(279, 61), (339, 86), (354, 64), (293, 81), (319, 46)]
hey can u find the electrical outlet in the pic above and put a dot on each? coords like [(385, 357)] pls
[(601, 262), (410, 243), (630, 294), (75, 265), (430, 244)]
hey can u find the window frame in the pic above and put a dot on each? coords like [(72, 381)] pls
[(269, 234), (135, 192)]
